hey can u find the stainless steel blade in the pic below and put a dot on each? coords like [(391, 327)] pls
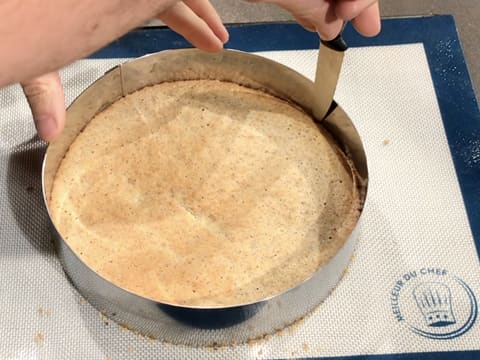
[(329, 65)]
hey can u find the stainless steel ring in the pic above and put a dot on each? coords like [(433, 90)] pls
[(195, 325)]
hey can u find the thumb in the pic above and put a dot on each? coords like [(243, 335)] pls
[(47, 102)]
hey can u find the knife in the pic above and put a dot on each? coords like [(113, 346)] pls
[(329, 64)]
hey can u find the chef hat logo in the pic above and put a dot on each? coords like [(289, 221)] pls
[(434, 300)]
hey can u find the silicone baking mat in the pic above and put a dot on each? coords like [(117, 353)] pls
[(411, 291)]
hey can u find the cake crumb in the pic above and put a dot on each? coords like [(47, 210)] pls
[(260, 352), (108, 357), (305, 346), (386, 141), (293, 326), (38, 338), (152, 339), (44, 312), (130, 349), (83, 301)]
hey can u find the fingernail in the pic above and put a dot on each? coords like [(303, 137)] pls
[(46, 127), (226, 37), (217, 45)]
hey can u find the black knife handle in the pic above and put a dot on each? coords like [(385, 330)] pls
[(337, 44)]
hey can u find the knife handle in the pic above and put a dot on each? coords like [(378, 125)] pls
[(337, 44)]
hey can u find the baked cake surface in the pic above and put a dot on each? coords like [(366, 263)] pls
[(204, 193)]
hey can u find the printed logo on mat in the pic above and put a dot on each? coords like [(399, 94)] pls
[(434, 303)]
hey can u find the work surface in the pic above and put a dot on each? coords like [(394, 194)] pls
[(417, 252)]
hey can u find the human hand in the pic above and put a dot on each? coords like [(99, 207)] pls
[(196, 20), (199, 23), (327, 16)]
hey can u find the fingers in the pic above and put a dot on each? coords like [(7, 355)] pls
[(350, 9), (327, 16), (47, 103), (314, 15), (322, 19), (329, 28), (207, 12), (365, 15), (183, 20), (368, 22)]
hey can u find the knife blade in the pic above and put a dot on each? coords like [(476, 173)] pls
[(329, 65)]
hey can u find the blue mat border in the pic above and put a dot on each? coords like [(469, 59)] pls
[(447, 355), (454, 90)]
